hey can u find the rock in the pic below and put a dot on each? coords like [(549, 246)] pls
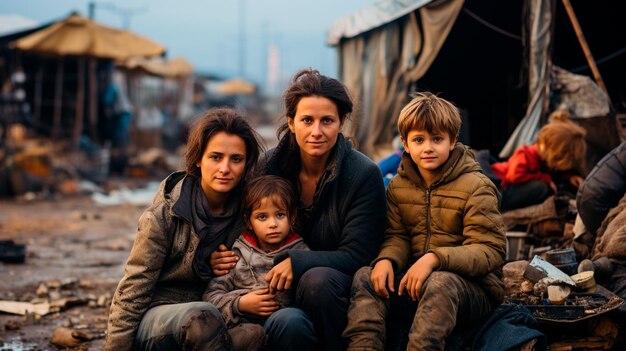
[(67, 338), (527, 286), (42, 290), (514, 276), (557, 294), (12, 325)]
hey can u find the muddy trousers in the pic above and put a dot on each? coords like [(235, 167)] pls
[(184, 326), (322, 299), (447, 301)]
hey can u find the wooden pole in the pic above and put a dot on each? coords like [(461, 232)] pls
[(585, 47), (80, 102), (58, 100), (93, 99), (38, 92)]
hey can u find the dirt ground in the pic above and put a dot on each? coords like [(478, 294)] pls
[(77, 250)]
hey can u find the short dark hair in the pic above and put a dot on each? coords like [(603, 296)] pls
[(217, 120), (310, 82), (278, 189)]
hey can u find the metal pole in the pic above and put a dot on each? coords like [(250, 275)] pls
[(242, 39)]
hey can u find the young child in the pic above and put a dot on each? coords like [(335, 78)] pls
[(445, 240), (242, 295), (528, 177)]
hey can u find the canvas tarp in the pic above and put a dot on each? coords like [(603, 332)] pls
[(377, 70), (79, 36), (383, 57)]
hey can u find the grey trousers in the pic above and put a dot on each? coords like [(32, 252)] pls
[(447, 301), (185, 326)]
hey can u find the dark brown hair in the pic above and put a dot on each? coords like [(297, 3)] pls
[(426, 111), (309, 82), (278, 189), (217, 120)]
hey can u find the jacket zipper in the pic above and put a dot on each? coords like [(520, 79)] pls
[(428, 231)]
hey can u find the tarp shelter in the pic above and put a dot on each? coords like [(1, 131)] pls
[(176, 67), (236, 86), (79, 36), (76, 36), (482, 55)]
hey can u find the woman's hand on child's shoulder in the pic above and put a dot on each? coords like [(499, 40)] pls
[(258, 303), (223, 260), (382, 278)]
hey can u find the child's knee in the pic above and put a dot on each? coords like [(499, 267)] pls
[(205, 330), (362, 278)]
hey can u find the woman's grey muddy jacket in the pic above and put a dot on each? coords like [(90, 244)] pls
[(159, 269)]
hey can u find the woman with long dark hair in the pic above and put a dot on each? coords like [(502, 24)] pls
[(158, 303)]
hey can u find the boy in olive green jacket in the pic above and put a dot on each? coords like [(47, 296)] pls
[(445, 240)]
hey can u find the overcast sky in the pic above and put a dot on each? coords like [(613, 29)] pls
[(207, 32)]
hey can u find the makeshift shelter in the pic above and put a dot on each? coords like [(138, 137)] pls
[(493, 59), (87, 42), (236, 86), (162, 108)]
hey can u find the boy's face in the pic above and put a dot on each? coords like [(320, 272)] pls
[(270, 224), (428, 151)]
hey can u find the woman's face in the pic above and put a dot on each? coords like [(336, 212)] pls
[(222, 164), (316, 125)]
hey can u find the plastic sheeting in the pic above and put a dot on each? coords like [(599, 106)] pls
[(377, 68)]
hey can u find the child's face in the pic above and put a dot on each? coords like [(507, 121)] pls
[(428, 151), (270, 224)]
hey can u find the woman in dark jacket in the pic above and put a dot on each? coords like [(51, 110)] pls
[(158, 303), (341, 215)]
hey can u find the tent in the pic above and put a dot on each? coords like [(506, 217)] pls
[(85, 39), (494, 60), (176, 67)]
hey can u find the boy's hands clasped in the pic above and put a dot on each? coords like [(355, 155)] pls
[(383, 276)]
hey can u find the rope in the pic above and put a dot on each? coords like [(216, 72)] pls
[(602, 60), (491, 26)]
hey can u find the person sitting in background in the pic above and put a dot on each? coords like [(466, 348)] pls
[(532, 173), (389, 165), (601, 204), (243, 296)]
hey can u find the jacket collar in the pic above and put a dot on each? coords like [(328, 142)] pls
[(251, 239), (284, 160)]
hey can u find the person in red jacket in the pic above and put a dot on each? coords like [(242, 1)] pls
[(531, 174)]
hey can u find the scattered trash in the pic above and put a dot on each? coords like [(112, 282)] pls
[(67, 338), (12, 325), (142, 197), (557, 294), (539, 269), (22, 308), (10, 252)]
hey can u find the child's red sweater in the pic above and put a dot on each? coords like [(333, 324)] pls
[(523, 166)]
